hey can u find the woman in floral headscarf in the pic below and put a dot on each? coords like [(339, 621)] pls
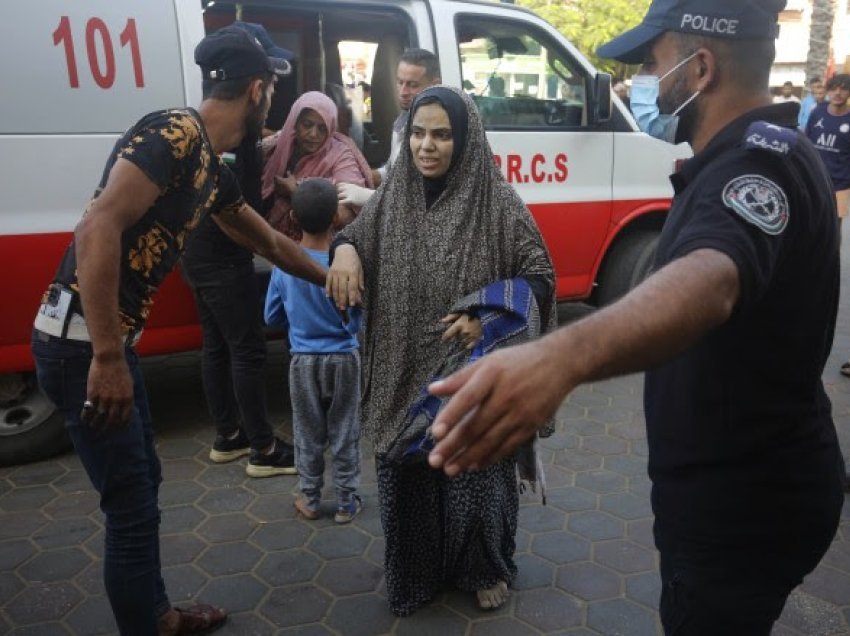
[(444, 225), (309, 145)]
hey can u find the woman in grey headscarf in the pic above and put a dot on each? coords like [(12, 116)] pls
[(443, 225)]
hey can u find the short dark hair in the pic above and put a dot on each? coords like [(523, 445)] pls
[(745, 62), (842, 80), (229, 90), (314, 204), (423, 58)]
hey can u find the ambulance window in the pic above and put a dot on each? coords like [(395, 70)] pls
[(517, 77)]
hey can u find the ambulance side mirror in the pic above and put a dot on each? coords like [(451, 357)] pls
[(601, 106)]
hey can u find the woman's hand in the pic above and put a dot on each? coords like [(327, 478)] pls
[(285, 186), (345, 278), (464, 327)]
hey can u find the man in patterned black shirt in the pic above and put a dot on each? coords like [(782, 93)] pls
[(163, 176)]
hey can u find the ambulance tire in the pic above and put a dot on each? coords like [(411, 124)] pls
[(627, 264), (31, 428)]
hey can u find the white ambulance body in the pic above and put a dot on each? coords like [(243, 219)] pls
[(75, 75)]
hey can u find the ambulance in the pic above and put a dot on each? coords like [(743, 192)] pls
[(76, 74)]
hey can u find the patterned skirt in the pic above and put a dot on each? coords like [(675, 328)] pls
[(441, 532)]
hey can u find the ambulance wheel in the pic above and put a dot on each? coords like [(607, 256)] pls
[(626, 265), (30, 426)]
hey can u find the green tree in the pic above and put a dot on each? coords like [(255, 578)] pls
[(589, 24)]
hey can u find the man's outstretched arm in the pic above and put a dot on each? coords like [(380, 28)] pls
[(501, 401)]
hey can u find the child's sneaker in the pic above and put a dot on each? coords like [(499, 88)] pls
[(225, 449), (345, 513), (308, 510), (281, 461)]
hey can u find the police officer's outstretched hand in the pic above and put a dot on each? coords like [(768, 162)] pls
[(490, 413), (109, 393)]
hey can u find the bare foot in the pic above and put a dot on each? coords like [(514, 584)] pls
[(493, 597)]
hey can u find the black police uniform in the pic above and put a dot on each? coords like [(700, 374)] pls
[(743, 455)]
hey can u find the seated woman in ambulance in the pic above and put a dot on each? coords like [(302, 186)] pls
[(309, 145)]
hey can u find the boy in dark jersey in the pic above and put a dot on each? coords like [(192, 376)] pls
[(163, 176)]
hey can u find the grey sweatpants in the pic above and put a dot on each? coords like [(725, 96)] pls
[(325, 390)]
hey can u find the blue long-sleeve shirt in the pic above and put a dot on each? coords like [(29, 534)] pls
[(315, 324)]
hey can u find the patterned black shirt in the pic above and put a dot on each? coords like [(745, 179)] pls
[(172, 148)]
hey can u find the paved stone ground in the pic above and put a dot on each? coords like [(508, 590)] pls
[(586, 561)]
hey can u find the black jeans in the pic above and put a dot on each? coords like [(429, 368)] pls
[(233, 359), (123, 466)]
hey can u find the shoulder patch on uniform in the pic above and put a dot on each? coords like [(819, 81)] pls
[(758, 201), (762, 135)]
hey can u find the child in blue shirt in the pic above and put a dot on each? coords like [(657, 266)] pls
[(324, 375)]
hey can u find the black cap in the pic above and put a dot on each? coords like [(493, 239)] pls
[(731, 19), (265, 40), (233, 53)]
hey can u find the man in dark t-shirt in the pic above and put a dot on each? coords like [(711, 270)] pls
[(162, 178), (734, 326), (227, 296)]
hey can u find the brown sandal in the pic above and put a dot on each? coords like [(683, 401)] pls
[(198, 619)]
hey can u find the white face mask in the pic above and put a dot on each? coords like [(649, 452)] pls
[(644, 104)]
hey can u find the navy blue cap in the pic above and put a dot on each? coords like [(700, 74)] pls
[(263, 37), (731, 19), (234, 53)]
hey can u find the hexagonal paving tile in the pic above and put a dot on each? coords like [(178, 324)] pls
[(229, 527), (238, 593), (10, 584), (625, 505), (571, 499), (504, 626), (596, 526), (534, 518), (561, 547), (433, 619), (375, 553), (14, 552), (183, 582), (810, 615), (532, 572), (645, 588), (620, 617), (55, 565), (42, 629), (601, 481), (31, 498), (281, 535), (361, 616), (223, 500), (829, 584), (180, 519), (37, 474), (604, 445), (346, 577), (625, 465), (339, 543), (74, 504), (181, 469), (176, 493), (223, 475), (229, 558), (180, 548), (588, 581), (90, 580), (289, 606), (640, 532), (43, 602), (92, 616), (578, 460), (624, 556), (73, 481), (286, 568), (65, 532), (179, 448), (548, 609), (271, 508), (584, 427)]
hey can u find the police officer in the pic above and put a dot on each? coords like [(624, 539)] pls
[(735, 326)]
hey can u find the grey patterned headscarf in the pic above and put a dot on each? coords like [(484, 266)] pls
[(418, 262)]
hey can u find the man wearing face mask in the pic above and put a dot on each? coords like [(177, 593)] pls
[(735, 326)]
